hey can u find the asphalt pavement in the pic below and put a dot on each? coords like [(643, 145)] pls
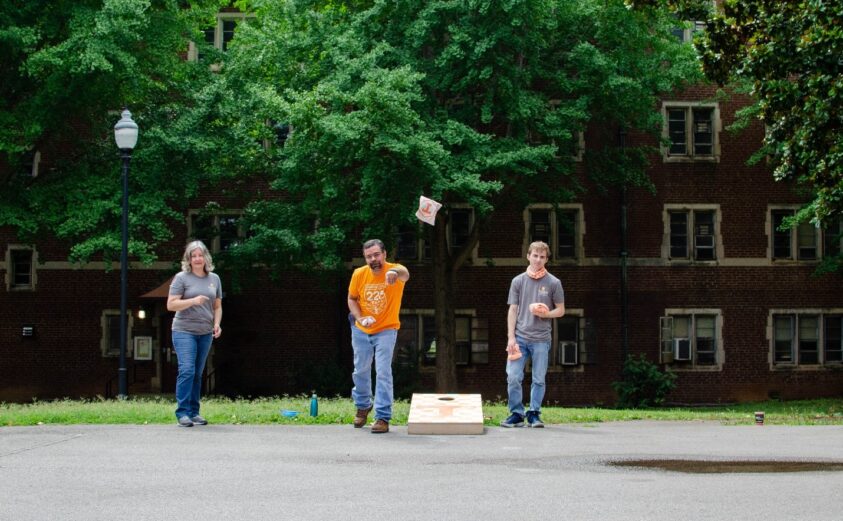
[(280, 472)]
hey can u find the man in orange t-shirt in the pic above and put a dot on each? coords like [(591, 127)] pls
[(374, 300)]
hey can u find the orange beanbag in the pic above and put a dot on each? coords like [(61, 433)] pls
[(538, 307)]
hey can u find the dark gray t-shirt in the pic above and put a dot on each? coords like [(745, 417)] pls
[(198, 320), (525, 291)]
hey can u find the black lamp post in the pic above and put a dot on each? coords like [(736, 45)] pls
[(624, 254), (126, 136)]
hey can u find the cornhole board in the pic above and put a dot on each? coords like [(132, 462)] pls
[(445, 414)]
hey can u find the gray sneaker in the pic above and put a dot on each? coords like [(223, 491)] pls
[(198, 420), (184, 421)]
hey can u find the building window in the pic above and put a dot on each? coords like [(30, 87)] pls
[(279, 133), (809, 337), (219, 35), (685, 32), (781, 235), (803, 242), (833, 238), (219, 231), (833, 340), (561, 227), (20, 268), (692, 233), (418, 340), (407, 242), (783, 338), (31, 163), (691, 339), (412, 245), (806, 338), (691, 131), (459, 229), (110, 339), (574, 341)]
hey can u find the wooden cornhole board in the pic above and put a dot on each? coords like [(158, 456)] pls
[(445, 414)]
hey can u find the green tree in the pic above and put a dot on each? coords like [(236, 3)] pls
[(474, 102), (68, 69), (789, 54)]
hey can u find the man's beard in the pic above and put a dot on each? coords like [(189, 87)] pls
[(375, 265)]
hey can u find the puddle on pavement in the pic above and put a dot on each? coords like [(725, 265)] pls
[(726, 467)]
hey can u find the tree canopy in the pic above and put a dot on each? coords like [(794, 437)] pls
[(475, 102), (68, 69), (790, 54), (471, 102)]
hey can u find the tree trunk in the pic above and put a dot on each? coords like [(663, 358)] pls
[(443, 289)]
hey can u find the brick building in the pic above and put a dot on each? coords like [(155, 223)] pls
[(709, 288)]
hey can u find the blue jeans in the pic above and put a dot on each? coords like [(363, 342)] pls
[(192, 352), (379, 347), (538, 353)]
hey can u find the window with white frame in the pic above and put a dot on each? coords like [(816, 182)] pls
[(417, 338), (561, 227), (807, 338), (804, 242), (219, 231), (219, 35), (110, 337), (691, 338), (20, 268), (412, 245), (574, 341), (691, 131), (692, 233)]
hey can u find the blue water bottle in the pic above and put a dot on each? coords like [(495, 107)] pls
[(314, 405)]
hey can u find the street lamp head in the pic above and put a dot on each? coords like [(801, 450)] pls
[(126, 132)]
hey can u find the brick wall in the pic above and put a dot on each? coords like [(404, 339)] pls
[(283, 335)]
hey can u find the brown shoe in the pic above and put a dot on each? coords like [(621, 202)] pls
[(361, 417), (380, 427)]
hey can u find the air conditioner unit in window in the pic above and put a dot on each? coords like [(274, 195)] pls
[(681, 349), (568, 353)]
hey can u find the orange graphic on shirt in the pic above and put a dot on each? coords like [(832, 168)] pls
[(376, 298), (373, 300)]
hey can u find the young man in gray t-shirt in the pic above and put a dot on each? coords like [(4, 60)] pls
[(535, 298)]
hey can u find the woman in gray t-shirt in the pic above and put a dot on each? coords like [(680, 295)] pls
[(196, 297)]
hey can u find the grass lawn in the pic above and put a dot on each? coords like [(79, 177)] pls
[(159, 410)]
